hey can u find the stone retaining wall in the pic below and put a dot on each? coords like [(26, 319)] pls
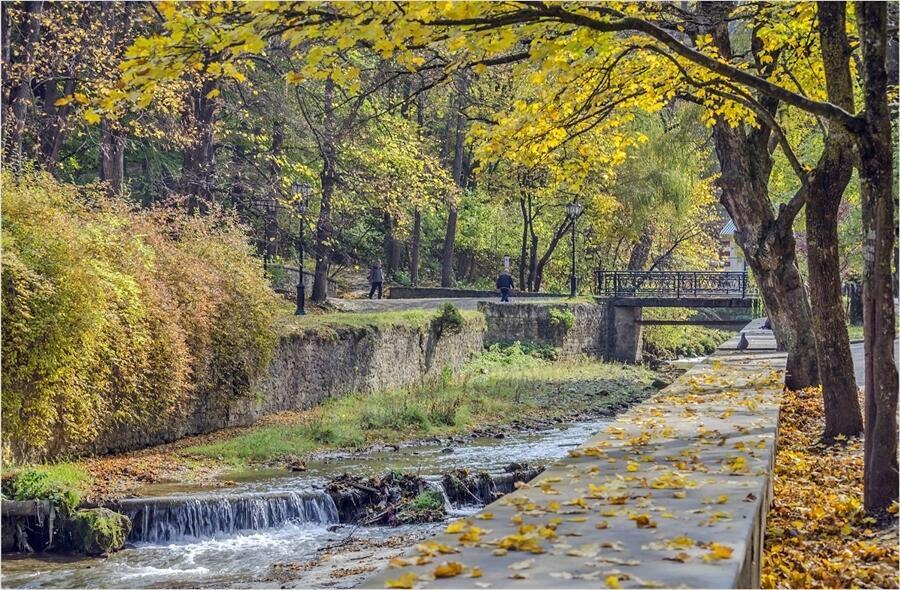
[(309, 366), (533, 322)]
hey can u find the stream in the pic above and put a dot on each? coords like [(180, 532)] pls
[(271, 528)]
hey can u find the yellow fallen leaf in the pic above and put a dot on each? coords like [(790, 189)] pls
[(399, 562), (475, 572), (485, 516), (448, 569), (612, 582), (404, 581), (718, 552), (457, 526)]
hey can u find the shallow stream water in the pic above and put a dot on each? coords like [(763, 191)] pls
[(242, 535)]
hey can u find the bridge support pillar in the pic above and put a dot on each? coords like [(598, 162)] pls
[(624, 340)]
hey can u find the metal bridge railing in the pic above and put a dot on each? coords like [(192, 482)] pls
[(672, 284)]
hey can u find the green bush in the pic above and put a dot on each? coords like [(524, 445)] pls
[(64, 485), (562, 318), (115, 318), (447, 321)]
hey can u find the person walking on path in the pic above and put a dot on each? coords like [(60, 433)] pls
[(505, 284), (376, 278)]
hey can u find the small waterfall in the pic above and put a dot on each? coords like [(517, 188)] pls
[(439, 488), (164, 519)]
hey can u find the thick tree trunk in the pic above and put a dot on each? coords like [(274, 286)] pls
[(825, 191), (880, 476), (415, 248), (767, 242), (19, 95)]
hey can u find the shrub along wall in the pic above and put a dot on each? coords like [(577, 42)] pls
[(117, 321)]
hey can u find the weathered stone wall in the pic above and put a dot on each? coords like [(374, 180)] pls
[(532, 322), (309, 366)]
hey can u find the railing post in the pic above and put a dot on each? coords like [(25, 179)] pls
[(678, 285), (744, 284)]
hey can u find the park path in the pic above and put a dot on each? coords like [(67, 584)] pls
[(673, 493), (859, 358), (376, 305)]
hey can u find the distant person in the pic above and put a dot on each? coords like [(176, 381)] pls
[(505, 283), (376, 278)]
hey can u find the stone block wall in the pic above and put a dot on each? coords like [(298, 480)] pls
[(309, 366), (532, 322)]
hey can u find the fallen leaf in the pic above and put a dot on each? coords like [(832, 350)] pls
[(521, 565), (404, 581), (448, 569)]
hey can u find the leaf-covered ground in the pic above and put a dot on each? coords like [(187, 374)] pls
[(817, 534)]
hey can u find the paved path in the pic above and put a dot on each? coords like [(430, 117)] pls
[(859, 359), (374, 305), (672, 494)]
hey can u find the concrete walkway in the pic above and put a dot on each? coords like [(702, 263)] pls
[(857, 349), (375, 305), (673, 494)]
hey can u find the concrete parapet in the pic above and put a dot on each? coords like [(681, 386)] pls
[(674, 493)]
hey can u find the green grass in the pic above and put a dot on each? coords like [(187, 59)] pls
[(856, 332), (503, 385), (669, 342), (64, 484)]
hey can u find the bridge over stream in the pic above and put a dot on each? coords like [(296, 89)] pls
[(626, 293)]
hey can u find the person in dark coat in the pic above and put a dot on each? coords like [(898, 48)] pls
[(505, 284), (376, 278)]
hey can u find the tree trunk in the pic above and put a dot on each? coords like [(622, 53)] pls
[(447, 253), (18, 96), (462, 85), (55, 124), (767, 242), (392, 248), (197, 168), (640, 254), (551, 247), (112, 159), (880, 475), (825, 191), (415, 247), (328, 150), (523, 251)]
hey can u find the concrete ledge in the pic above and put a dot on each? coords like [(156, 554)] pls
[(674, 493)]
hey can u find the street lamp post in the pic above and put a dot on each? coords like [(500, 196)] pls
[(301, 192), (573, 210)]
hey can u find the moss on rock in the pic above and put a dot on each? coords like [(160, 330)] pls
[(98, 531)]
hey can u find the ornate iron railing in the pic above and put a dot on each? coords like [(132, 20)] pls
[(672, 284)]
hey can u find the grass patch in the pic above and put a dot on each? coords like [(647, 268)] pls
[(504, 384), (63, 484), (856, 332), (669, 342)]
